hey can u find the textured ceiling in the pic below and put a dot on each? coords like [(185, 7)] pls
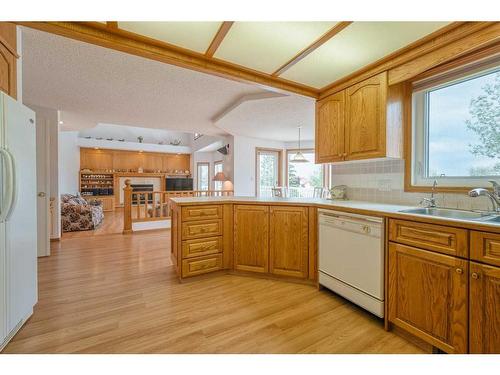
[(92, 85), (265, 118)]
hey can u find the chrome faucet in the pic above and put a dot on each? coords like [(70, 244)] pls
[(431, 202), (494, 197)]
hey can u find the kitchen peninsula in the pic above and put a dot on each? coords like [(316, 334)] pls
[(425, 258)]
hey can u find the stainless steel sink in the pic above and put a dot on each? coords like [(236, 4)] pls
[(492, 219), (455, 214)]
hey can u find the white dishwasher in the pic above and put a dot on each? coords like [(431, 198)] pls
[(351, 258)]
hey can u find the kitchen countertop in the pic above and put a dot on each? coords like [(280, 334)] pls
[(357, 207)]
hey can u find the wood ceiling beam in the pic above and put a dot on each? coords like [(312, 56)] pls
[(311, 48), (112, 24), (218, 38), (102, 35)]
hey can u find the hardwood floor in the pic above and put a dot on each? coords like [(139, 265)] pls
[(119, 294)]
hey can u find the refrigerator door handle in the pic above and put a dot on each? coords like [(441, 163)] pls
[(9, 189)]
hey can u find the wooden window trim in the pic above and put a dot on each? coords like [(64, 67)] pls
[(280, 166), (470, 59)]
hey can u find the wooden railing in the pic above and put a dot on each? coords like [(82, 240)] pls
[(142, 206)]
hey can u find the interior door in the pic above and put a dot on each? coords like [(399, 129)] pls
[(43, 187)]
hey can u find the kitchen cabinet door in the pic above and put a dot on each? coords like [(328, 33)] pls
[(330, 128), (365, 122), (289, 241), (8, 61), (484, 312), (251, 238), (428, 296)]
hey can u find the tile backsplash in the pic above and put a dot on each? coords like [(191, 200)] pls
[(382, 181)]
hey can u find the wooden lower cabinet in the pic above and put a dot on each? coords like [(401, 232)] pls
[(484, 309), (251, 238), (289, 241), (428, 296), (201, 265)]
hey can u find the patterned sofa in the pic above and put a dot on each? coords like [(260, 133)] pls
[(78, 214)]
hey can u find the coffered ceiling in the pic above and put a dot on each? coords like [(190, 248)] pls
[(313, 54)]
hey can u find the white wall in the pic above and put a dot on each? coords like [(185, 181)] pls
[(244, 162), (69, 162)]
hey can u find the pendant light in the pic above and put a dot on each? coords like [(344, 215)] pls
[(299, 157)]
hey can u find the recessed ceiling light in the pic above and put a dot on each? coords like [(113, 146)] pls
[(61, 122)]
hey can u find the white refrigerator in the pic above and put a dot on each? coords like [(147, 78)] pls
[(18, 223)]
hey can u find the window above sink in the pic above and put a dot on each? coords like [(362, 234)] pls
[(455, 128)]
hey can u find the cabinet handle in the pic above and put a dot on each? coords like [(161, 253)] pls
[(475, 275), (459, 271)]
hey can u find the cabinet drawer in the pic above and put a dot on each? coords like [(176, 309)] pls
[(200, 247), (191, 213), (201, 265), (485, 247), (446, 240), (200, 229)]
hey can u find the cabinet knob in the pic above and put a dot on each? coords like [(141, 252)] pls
[(459, 271), (475, 275)]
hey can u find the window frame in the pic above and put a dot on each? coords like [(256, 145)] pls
[(198, 165), (258, 151), (216, 163), (415, 144), (326, 167)]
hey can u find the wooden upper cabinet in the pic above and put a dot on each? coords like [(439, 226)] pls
[(330, 128), (251, 238), (484, 309), (289, 241), (8, 59), (365, 118), (361, 122), (428, 296)]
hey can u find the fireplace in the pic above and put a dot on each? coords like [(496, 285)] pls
[(142, 197)]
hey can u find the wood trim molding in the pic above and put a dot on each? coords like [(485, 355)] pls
[(124, 41), (218, 38), (309, 49), (201, 164), (112, 24), (280, 165), (452, 34)]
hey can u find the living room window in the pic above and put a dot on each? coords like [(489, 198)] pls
[(302, 178), (218, 167), (456, 127)]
